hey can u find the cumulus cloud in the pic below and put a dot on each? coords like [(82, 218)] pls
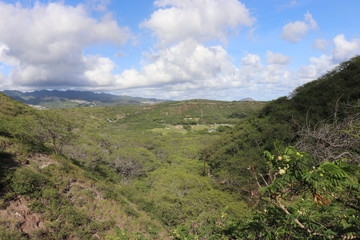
[(99, 70), (251, 60), (318, 67), (257, 74), (320, 44), (171, 75), (5, 55), (46, 44), (277, 58), (345, 49), (191, 70), (295, 31), (187, 65), (182, 63), (47, 41), (202, 20)]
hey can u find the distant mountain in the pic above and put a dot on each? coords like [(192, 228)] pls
[(248, 99), (71, 98)]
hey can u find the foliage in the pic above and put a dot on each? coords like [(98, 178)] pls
[(192, 112), (11, 235), (130, 161), (40, 129), (126, 235), (301, 200), (27, 182), (54, 129)]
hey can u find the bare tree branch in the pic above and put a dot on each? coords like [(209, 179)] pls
[(331, 142)]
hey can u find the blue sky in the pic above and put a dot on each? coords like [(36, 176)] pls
[(175, 49)]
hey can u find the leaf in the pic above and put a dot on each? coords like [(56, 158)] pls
[(333, 170)]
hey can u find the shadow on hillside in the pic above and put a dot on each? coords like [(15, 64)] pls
[(7, 165)]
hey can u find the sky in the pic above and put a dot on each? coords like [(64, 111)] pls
[(175, 49)]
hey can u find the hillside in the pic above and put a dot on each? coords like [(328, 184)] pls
[(332, 98), (291, 156), (94, 173), (197, 169), (194, 112), (70, 98)]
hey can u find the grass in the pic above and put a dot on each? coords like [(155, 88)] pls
[(170, 129)]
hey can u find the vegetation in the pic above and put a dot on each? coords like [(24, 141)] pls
[(113, 162), (301, 200), (331, 102), (199, 169), (321, 119)]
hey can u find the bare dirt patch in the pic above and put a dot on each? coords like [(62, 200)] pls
[(17, 216)]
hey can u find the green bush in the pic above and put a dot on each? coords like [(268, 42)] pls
[(26, 181), (6, 234)]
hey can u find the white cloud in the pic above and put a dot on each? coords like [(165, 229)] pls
[(187, 65), (277, 58), (97, 5), (320, 44), (318, 67), (345, 49), (183, 63), (251, 60), (257, 74), (99, 71), (191, 70), (46, 43), (5, 55), (2, 80), (202, 20), (295, 31)]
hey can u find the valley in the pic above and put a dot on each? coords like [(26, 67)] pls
[(195, 169)]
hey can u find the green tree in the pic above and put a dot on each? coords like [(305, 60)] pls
[(42, 128), (302, 200), (56, 129)]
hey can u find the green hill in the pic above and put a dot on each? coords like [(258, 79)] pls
[(332, 98), (164, 171), (321, 119), (85, 173), (194, 112)]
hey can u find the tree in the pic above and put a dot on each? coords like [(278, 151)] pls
[(305, 201), (332, 141), (42, 128), (55, 128)]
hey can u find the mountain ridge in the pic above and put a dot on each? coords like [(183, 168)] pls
[(72, 98)]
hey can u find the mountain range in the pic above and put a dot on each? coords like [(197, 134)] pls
[(71, 98), (53, 99)]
